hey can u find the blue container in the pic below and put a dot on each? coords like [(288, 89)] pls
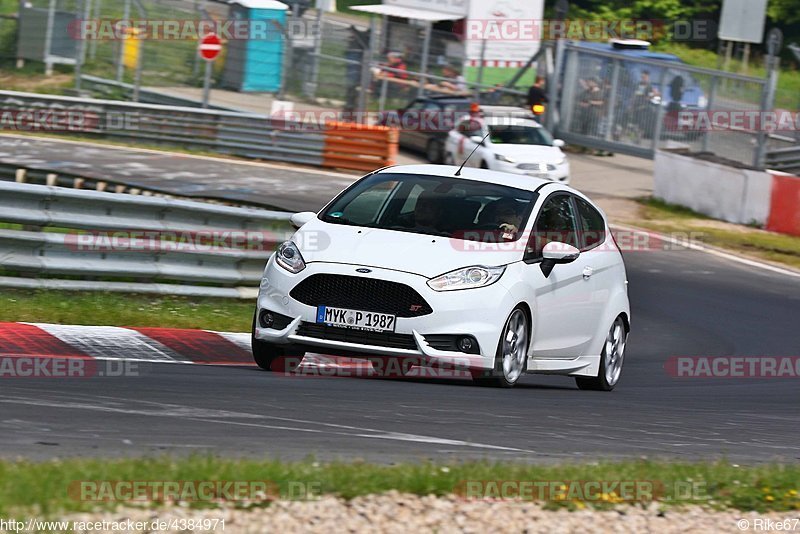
[(256, 64)]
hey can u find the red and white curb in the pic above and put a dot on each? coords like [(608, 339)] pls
[(158, 345)]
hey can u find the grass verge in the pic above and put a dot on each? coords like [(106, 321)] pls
[(659, 216), (43, 487), (122, 309)]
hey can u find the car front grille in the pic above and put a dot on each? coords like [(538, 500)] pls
[(359, 293), (362, 337)]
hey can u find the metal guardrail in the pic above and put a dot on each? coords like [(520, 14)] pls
[(248, 135), (785, 159), (163, 245), (233, 133)]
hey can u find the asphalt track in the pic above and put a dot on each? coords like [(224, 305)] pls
[(684, 302)]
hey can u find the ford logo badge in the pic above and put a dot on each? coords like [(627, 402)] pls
[(363, 270)]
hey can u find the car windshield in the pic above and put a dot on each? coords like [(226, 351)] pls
[(434, 205), (519, 135)]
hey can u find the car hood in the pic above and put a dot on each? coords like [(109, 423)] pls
[(426, 255), (530, 153)]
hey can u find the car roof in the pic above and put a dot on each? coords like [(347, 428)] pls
[(518, 181), (630, 52)]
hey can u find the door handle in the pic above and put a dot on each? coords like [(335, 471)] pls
[(587, 272)]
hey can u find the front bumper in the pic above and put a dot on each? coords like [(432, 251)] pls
[(474, 312), (559, 174)]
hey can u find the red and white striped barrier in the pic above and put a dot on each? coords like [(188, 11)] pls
[(38, 341)]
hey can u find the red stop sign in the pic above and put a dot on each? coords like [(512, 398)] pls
[(210, 47)]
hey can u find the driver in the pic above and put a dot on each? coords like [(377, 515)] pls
[(428, 211), (504, 213)]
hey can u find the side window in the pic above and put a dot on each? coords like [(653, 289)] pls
[(556, 222), (592, 227), (470, 127)]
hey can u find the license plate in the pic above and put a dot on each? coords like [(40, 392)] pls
[(358, 320)]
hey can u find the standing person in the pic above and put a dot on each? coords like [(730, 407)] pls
[(455, 81), (395, 61), (537, 95)]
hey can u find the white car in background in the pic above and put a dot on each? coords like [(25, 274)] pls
[(515, 144), (436, 266)]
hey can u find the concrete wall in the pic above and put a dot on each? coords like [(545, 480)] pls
[(733, 195)]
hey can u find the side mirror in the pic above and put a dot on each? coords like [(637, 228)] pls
[(299, 219), (559, 143), (557, 253), (476, 139)]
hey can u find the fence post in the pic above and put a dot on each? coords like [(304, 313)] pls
[(612, 107), (552, 88), (423, 67), (80, 53), (774, 44), (712, 96), (48, 38), (659, 126), (366, 64), (480, 70), (311, 88), (126, 15)]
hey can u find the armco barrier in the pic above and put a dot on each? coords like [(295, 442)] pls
[(221, 248), (358, 146), (743, 196), (248, 135)]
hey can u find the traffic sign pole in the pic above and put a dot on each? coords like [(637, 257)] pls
[(209, 48), (207, 84)]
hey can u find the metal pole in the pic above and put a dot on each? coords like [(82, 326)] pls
[(366, 64), (286, 67), (80, 54), (774, 43), (93, 43), (311, 91), (48, 38), (126, 14), (661, 111), (552, 86), (480, 70), (712, 96), (207, 84), (137, 77), (612, 107), (424, 62)]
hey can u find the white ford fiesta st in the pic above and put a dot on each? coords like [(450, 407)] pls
[(434, 266)]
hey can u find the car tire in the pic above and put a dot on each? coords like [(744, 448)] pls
[(484, 165), (611, 360), (434, 151), (511, 358), (273, 358)]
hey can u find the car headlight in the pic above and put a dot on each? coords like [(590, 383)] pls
[(289, 257), (702, 101), (501, 157), (467, 278)]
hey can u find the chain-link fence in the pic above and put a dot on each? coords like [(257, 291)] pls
[(637, 103)]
